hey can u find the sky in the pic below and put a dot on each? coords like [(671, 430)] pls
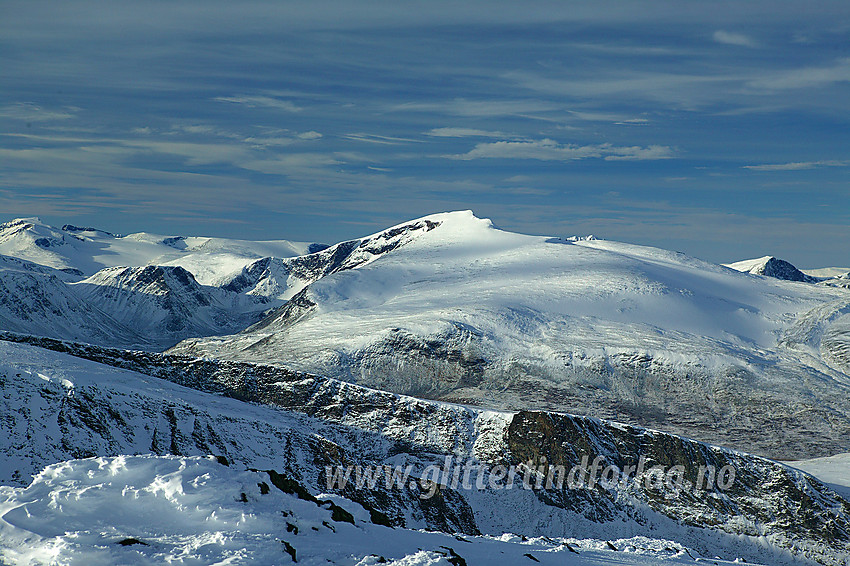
[(719, 129)]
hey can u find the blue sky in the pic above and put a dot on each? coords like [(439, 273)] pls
[(721, 129)]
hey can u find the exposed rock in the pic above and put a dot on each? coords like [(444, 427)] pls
[(357, 426)]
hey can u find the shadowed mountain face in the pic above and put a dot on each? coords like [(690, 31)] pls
[(166, 302), (150, 307), (781, 269), (770, 266)]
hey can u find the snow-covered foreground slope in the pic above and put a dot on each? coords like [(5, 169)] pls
[(58, 407), (464, 312), (157, 510), (87, 250)]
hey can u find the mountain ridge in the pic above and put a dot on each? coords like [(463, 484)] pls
[(770, 508), (86, 250)]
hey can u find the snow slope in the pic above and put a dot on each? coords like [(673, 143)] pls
[(157, 510), (832, 470), (59, 407), (465, 312), (825, 272)]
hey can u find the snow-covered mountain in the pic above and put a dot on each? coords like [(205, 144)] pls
[(141, 290), (770, 266), (59, 407), (150, 307), (444, 307), (39, 300), (84, 250), (448, 307), (451, 308)]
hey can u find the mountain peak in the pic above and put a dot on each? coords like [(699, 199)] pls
[(461, 218), (24, 220), (457, 221), (771, 266), (72, 228), (22, 224)]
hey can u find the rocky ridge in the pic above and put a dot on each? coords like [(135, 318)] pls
[(352, 425)]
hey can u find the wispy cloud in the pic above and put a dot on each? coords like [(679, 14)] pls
[(797, 165), (260, 102), (629, 49), (804, 77), (379, 139), (732, 38), (31, 112), (550, 150), (194, 154), (637, 153), (481, 108), (290, 163), (683, 89), (607, 117), (87, 161), (463, 133)]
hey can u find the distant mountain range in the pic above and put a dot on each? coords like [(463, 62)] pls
[(439, 338), (449, 307)]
